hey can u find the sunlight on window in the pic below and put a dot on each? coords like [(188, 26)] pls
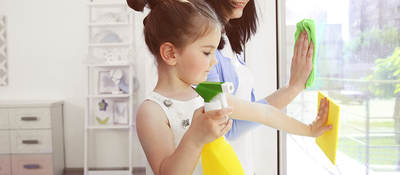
[(358, 65)]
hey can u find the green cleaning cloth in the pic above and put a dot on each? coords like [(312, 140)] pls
[(309, 26)]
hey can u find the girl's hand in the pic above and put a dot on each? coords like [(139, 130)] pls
[(208, 126), (319, 126), (301, 66)]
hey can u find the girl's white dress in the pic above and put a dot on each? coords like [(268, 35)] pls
[(179, 115)]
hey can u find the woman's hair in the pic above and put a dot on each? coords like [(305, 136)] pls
[(238, 30), (180, 22)]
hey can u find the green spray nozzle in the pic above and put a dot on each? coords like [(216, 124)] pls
[(214, 94), (208, 90)]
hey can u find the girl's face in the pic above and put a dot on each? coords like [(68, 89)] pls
[(196, 59), (238, 5)]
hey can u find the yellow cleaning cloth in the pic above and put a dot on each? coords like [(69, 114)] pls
[(329, 140), (218, 158)]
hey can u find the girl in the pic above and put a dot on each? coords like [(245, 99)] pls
[(171, 124), (240, 18)]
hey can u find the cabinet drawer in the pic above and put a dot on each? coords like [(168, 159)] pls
[(5, 165), (4, 121), (4, 142), (29, 118), (31, 141), (32, 164)]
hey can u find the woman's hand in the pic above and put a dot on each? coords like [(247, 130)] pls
[(319, 126), (301, 62), (208, 126)]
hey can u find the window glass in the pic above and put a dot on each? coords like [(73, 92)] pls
[(358, 66)]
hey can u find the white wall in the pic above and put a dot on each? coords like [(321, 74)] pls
[(261, 58), (47, 43)]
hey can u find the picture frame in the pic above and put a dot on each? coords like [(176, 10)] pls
[(121, 112), (105, 84)]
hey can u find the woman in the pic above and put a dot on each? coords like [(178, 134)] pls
[(240, 18)]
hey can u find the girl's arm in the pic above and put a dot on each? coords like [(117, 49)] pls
[(241, 127), (224, 71), (273, 117), (157, 138)]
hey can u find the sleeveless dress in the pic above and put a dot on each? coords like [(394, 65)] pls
[(179, 115)]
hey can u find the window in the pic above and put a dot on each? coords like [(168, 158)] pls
[(358, 65)]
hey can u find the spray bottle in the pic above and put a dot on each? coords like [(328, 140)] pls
[(218, 156)]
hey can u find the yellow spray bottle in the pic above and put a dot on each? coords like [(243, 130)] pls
[(218, 157)]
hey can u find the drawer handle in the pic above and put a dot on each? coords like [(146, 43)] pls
[(31, 166), (29, 118), (30, 141)]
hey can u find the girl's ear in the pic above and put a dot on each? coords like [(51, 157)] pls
[(168, 53)]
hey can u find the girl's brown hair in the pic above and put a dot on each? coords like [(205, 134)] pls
[(180, 22)]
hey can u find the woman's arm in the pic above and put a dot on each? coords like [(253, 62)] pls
[(300, 70), (157, 138), (283, 96), (273, 117)]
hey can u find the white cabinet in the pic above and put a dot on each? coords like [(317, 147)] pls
[(31, 138), (5, 164), (29, 118), (31, 141), (4, 123), (4, 142)]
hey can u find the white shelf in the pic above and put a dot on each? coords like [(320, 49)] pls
[(108, 44), (108, 24), (110, 4), (95, 7), (108, 65), (110, 96), (109, 127), (109, 172)]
